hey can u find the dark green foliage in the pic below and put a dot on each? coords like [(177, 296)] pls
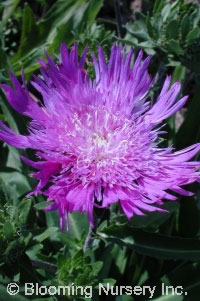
[(172, 29)]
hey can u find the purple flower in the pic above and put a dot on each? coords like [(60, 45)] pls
[(98, 138)]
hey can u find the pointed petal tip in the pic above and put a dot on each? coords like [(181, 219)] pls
[(4, 87), (42, 63), (63, 45)]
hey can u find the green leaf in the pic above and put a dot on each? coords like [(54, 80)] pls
[(185, 26), (78, 223), (58, 24), (68, 241), (150, 29), (166, 11), (4, 65), (8, 229), (107, 257), (193, 35), (64, 34), (175, 47), (13, 160), (15, 123), (8, 114), (119, 258), (96, 267), (195, 17), (8, 10), (24, 209), (153, 220), (138, 30), (46, 234), (42, 205), (172, 30), (158, 7), (15, 180), (58, 14), (92, 11), (179, 74), (33, 251), (153, 244), (29, 30)]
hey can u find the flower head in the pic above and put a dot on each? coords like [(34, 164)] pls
[(97, 139)]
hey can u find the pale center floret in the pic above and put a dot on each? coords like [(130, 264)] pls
[(102, 143), (100, 146), (99, 140)]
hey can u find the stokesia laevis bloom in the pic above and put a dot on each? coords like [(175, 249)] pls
[(98, 138)]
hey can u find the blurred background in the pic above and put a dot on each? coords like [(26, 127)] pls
[(148, 250)]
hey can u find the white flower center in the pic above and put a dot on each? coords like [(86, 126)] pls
[(99, 140)]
